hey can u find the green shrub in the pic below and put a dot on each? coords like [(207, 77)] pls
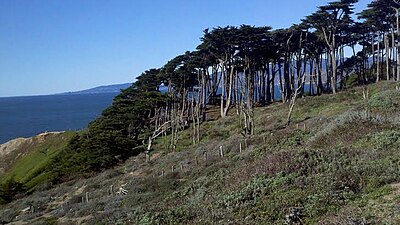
[(9, 189), (386, 139), (257, 187), (352, 80), (146, 219), (176, 215), (2, 200), (384, 101)]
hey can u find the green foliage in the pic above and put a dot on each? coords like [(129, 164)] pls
[(176, 215), (256, 187), (51, 221), (345, 128), (29, 169), (9, 189), (116, 135), (338, 180), (377, 192), (352, 81), (295, 139), (385, 101), (147, 219), (385, 140)]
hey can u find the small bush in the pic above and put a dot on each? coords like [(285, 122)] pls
[(385, 101), (147, 219), (386, 139), (9, 189), (352, 81), (257, 187), (347, 128)]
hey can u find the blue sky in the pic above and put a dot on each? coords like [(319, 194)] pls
[(52, 46)]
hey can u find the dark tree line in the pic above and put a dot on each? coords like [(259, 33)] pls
[(238, 68)]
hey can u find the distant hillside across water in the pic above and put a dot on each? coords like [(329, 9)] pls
[(114, 88), (30, 115)]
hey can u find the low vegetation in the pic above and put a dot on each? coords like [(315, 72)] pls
[(29, 160), (219, 145), (336, 164)]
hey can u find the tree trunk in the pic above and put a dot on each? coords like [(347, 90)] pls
[(319, 78), (386, 38), (310, 92), (398, 44), (378, 64), (223, 88), (273, 73), (293, 101), (334, 71), (282, 87), (288, 90), (268, 91), (328, 74), (394, 58), (229, 83)]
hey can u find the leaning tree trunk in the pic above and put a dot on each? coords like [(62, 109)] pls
[(293, 101)]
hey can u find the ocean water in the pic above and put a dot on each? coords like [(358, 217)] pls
[(32, 115), (29, 116)]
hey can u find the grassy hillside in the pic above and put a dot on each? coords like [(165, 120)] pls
[(338, 163), (27, 158)]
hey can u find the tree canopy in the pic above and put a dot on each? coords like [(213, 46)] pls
[(240, 68)]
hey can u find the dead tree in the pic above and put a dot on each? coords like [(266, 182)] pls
[(246, 110), (195, 110), (158, 131), (292, 102), (122, 190)]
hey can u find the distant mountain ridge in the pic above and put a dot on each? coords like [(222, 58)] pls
[(114, 88)]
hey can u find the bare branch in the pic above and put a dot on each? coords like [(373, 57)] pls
[(160, 130)]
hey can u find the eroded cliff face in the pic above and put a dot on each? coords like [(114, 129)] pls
[(14, 149)]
